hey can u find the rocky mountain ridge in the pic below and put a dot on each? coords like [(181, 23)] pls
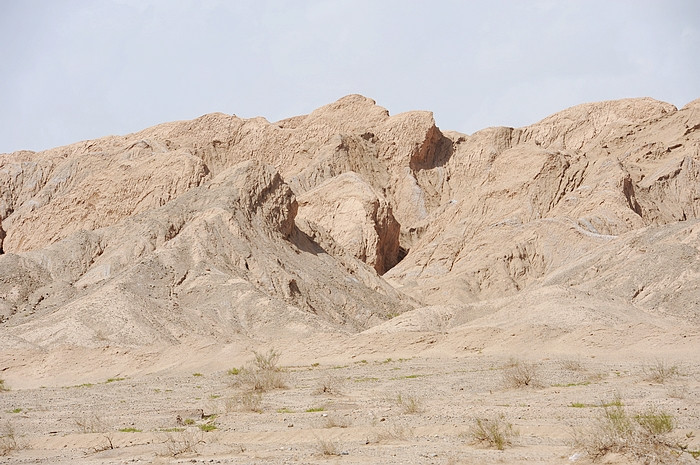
[(346, 218)]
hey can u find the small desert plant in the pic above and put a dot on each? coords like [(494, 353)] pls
[(249, 401), (572, 365), (640, 436), (130, 429), (91, 424), (8, 440), (660, 372), (264, 374), (409, 404), (3, 386), (267, 361), (520, 374), (315, 409), (395, 433), (336, 422), (329, 385), (654, 422), (183, 442), (327, 447), (495, 433), (234, 371), (208, 427)]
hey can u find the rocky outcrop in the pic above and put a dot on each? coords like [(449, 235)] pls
[(358, 218), (338, 219)]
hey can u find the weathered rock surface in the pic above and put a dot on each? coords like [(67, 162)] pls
[(191, 227), (358, 218)]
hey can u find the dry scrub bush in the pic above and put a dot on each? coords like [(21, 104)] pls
[(495, 433), (3, 387), (572, 365), (336, 422), (183, 442), (249, 401), (264, 374), (8, 440), (520, 374), (409, 404), (395, 433), (640, 436), (330, 385), (660, 372), (327, 447), (91, 424)]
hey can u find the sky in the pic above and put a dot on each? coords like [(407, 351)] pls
[(73, 70)]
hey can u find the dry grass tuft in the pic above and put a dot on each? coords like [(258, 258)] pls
[(183, 442), (409, 404), (327, 447), (329, 385), (660, 372), (573, 365), (249, 401), (520, 374), (641, 436), (8, 440), (495, 433), (91, 424), (395, 433), (336, 422), (3, 387), (264, 374)]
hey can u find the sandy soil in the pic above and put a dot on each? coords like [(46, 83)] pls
[(389, 407)]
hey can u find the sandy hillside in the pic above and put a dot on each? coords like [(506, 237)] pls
[(412, 284)]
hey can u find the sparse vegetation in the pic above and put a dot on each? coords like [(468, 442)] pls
[(518, 374), (197, 375), (264, 374), (641, 436), (91, 424), (8, 439), (336, 422), (183, 442), (329, 385), (112, 380), (208, 427), (268, 361), (15, 410), (315, 409), (249, 401), (660, 372), (327, 447), (3, 386), (409, 404), (234, 371), (395, 433), (494, 433), (130, 430), (572, 364)]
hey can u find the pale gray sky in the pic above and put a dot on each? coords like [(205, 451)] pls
[(81, 69)]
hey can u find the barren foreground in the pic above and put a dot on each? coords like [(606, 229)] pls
[(379, 406)]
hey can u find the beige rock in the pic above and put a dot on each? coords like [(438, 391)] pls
[(357, 217)]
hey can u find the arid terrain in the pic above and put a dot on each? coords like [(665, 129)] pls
[(351, 286)]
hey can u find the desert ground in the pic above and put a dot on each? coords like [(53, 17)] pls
[(351, 286), (381, 401)]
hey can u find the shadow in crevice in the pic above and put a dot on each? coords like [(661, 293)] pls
[(305, 243), (435, 152)]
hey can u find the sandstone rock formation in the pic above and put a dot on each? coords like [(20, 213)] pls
[(357, 217), (343, 218)]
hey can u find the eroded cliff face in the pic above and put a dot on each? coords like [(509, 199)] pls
[(337, 219)]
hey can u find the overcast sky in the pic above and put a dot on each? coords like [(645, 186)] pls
[(76, 70)]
